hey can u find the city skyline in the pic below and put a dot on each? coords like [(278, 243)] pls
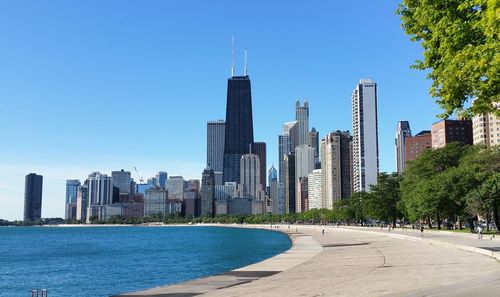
[(58, 157)]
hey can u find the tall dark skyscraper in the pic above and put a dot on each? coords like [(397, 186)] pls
[(33, 197), (239, 126), (259, 148)]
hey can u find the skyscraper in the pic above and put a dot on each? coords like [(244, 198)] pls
[(215, 148), (82, 202), (250, 179), (175, 187), (336, 167), (287, 143), (402, 131), (259, 148), (33, 197), (72, 186), (289, 184), (304, 164), (302, 117), (99, 195), (273, 189), (122, 181), (161, 179), (207, 192), (314, 143), (365, 135), (239, 126)]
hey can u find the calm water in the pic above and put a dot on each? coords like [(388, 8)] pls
[(100, 261)]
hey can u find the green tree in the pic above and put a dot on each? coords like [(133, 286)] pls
[(422, 191), (461, 51), (384, 198), (486, 198)]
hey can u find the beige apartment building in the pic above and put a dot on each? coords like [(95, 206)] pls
[(486, 129)]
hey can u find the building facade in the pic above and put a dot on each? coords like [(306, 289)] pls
[(365, 135), (302, 118), (314, 143), (337, 167), (273, 190), (239, 126), (33, 197), (402, 132), (207, 192), (155, 202), (289, 184), (486, 129), (175, 187), (259, 148), (416, 145), (250, 179), (315, 190), (82, 202), (304, 164), (215, 148), (161, 179), (72, 186), (448, 131)]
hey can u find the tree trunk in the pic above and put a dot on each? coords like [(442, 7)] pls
[(429, 222), (439, 222), (495, 217), (488, 222)]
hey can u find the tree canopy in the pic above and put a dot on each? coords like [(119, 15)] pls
[(461, 51)]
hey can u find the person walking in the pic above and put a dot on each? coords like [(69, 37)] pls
[(323, 232), (421, 231), (479, 232)]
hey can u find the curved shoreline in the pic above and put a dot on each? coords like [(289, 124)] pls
[(350, 261), (303, 248)]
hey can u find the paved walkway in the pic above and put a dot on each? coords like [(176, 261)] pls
[(365, 262)]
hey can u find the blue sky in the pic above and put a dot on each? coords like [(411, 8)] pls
[(104, 85)]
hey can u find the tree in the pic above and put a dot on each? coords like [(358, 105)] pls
[(461, 43), (423, 192), (383, 199), (486, 198)]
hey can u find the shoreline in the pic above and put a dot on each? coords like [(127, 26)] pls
[(353, 262), (301, 250)]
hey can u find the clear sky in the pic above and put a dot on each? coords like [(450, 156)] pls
[(103, 85)]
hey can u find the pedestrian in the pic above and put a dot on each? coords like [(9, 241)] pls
[(480, 232), (322, 232), (421, 231)]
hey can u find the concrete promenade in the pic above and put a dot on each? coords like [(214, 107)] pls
[(349, 261)]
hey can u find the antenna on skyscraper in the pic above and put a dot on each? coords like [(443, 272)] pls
[(232, 56), (246, 62)]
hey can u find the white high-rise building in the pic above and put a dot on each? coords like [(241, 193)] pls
[(215, 148), (304, 164), (402, 131), (365, 135), (302, 118), (315, 192)]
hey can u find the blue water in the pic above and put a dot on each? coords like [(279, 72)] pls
[(102, 261)]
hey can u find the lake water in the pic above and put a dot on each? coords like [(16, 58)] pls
[(102, 261)]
